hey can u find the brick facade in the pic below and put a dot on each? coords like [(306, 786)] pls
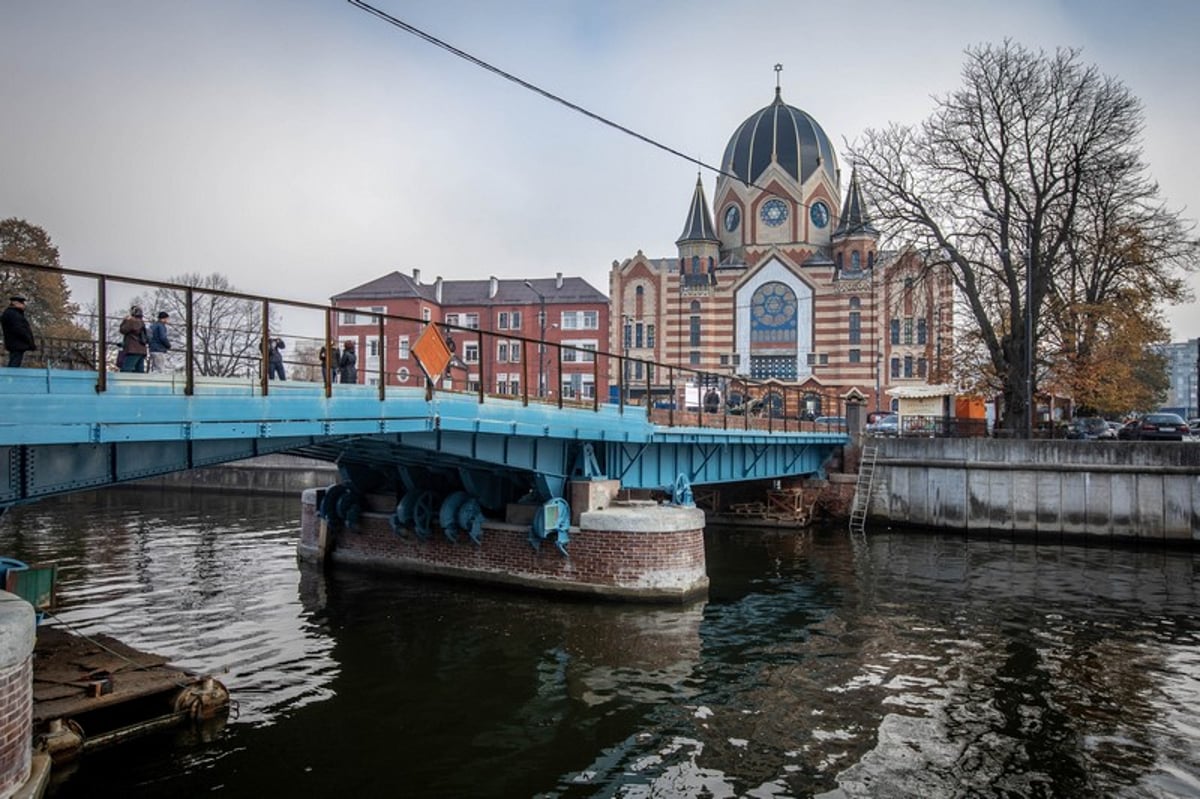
[(640, 566), (16, 715)]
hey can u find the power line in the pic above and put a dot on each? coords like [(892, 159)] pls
[(479, 62)]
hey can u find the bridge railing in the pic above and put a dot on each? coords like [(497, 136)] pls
[(219, 332)]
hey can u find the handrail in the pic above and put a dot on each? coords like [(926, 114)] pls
[(762, 400)]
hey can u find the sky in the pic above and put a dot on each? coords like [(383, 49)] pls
[(303, 147)]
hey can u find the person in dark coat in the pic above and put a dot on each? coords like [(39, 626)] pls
[(276, 359), (329, 366), (134, 347), (18, 335), (348, 364), (160, 343)]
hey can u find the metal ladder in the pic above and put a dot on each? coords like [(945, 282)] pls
[(863, 490)]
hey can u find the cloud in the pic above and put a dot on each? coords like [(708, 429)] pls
[(305, 147)]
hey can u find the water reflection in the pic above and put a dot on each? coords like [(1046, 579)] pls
[(822, 664)]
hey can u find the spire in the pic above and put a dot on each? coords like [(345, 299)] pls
[(854, 217), (699, 225)]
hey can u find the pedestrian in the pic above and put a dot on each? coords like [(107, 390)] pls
[(348, 364), (329, 366), (276, 359), (18, 335), (160, 343), (134, 346)]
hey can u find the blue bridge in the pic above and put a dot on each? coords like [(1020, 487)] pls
[(59, 435), (448, 455)]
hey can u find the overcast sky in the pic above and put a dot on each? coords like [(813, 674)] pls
[(303, 147)]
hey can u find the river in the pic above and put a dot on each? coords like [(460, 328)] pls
[(821, 664)]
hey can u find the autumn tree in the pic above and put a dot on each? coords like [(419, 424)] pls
[(227, 330), (50, 310), (1004, 185)]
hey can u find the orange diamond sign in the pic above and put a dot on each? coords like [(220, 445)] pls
[(432, 352)]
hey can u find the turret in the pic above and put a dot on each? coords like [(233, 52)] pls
[(699, 246)]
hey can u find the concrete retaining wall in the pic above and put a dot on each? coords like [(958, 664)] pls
[(267, 474), (1095, 488)]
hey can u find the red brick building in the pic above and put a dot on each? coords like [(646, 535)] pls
[(496, 327)]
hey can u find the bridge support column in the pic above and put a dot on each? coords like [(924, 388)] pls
[(16, 692), (639, 552), (314, 548)]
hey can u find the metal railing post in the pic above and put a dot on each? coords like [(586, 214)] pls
[(524, 373), (264, 351), (382, 345), (559, 361), (329, 365), (189, 357), (102, 335)]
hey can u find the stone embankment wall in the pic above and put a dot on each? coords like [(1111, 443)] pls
[(267, 474), (1142, 490)]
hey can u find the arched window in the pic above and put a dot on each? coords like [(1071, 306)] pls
[(908, 366), (855, 261), (811, 406), (839, 261), (639, 298), (695, 264), (921, 330), (871, 260), (855, 303), (895, 367)]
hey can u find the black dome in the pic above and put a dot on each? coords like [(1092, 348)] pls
[(782, 133)]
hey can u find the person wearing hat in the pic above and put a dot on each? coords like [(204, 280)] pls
[(160, 343), (18, 335), (133, 349)]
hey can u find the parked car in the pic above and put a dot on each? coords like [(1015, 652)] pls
[(886, 425), (1115, 427), (1090, 428), (830, 421), (1160, 427), (1128, 431)]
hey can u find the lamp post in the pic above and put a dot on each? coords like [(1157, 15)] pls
[(626, 335), (542, 347)]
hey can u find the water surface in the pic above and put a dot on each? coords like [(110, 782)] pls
[(896, 664)]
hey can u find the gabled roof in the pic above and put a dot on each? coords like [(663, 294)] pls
[(396, 285), (699, 225), (391, 286)]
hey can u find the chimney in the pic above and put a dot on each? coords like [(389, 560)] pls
[(493, 287), (558, 280), (437, 289), (416, 276)]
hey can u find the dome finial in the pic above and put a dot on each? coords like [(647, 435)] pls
[(778, 69)]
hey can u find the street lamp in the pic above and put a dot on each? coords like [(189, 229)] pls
[(542, 348), (626, 335)]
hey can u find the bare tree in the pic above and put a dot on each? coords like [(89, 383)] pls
[(998, 184), (227, 331)]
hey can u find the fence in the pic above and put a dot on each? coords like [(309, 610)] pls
[(237, 343)]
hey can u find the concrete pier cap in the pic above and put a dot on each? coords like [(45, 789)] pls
[(641, 516), (17, 630)]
